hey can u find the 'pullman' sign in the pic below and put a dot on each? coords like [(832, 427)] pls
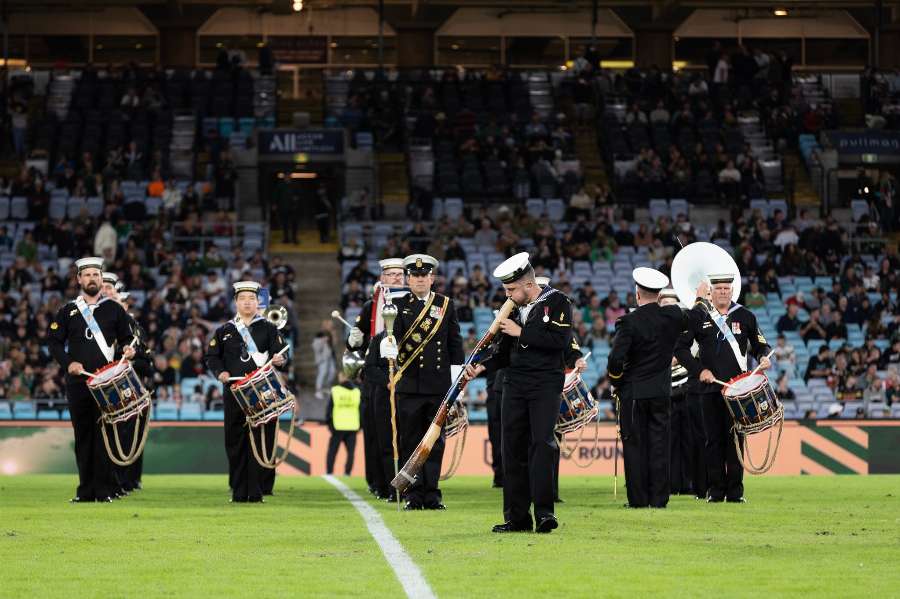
[(307, 141)]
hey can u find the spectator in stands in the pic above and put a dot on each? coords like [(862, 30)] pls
[(819, 365), (754, 299), (323, 353), (813, 328), (836, 329), (785, 354), (785, 393)]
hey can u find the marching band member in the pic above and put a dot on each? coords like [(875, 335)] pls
[(428, 348), (726, 333), (376, 407), (681, 436), (87, 334), (575, 362), (640, 369), (128, 478), (532, 351), (240, 346)]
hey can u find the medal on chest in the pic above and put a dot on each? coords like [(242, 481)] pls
[(546, 317), (736, 328)]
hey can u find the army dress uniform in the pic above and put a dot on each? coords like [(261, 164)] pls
[(534, 373), (228, 352), (640, 369), (429, 343), (725, 474), (72, 338)]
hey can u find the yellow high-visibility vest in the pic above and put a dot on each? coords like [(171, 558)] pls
[(345, 414)]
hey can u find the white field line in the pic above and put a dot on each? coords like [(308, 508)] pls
[(406, 570)]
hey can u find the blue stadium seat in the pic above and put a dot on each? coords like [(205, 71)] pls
[(191, 411), (166, 410), (214, 415), (5, 411), (47, 415), (23, 410), (4, 208)]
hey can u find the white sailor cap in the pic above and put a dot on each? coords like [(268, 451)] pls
[(246, 286), (420, 264), (724, 277), (110, 277), (669, 293), (388, 263), (123, 296), (514, 268), (542, 281), (89, 262), (649, 278)]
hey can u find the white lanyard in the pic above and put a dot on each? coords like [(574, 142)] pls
[(94, 329), (258, 358)]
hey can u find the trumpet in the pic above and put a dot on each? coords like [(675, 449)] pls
[(277, 315)]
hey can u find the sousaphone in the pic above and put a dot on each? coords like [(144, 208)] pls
[(694, 263)]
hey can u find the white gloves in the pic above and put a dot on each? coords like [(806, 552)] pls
[(454, 371), (356, 337), (388, 349)]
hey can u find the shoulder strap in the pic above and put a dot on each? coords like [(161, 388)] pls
[(720, 321), (107, 351), (421, 347)]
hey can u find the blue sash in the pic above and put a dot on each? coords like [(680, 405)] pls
[(96, 333), (252, 349)]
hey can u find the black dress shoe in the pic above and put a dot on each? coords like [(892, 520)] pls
[(512, 527), (736, 500), (77, 499), (435, 505), (104, 500), (268, 494), (138, 486), (558, 500), (238, 500), (255, 500), (413, 505), (497, 484), (712, 499), (390, 498), (546, 524)]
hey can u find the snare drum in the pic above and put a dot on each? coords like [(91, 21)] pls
[(118, 391), (262, 395), (752, 403), (577, 406)]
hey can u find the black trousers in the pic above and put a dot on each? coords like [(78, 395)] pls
[(348, 438), (529, 451), (494, 411), (95, 474), (415, 413), (681, 444), (556, 468), (725, 475), (384, 443), (375, 474), (698, 445), (289, 224), (245, 475), (645, 447)]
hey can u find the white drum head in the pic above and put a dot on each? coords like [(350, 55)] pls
[(745, 385)]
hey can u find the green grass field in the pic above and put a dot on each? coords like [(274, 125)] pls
[(833, 536)]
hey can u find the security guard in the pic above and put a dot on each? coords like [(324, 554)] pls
[(726, 333), (532, 350), (239, 347), (128, 478), (640, 369), (343, 421), (375, 401), (86, 335), (427, 346), (681, 435)]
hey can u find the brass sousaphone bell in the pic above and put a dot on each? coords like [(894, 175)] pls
[(277, 315), (694, 263)]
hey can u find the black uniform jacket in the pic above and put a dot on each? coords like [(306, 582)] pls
[(715, 351), (640, 363), (69, 342), (538, 357), (227, 352), (143, 358), (428, 372)]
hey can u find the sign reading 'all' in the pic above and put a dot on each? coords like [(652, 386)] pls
[(308, 141)]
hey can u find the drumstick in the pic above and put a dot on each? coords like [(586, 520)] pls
[(721, 383), (755, 370), (133, 341), (337, 315)]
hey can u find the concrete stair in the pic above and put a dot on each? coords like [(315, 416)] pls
[(310, 100), (393, 178), (794, 168), (318, 291), (588, 152)]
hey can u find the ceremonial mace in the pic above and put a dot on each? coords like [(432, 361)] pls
[(389, 314)]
